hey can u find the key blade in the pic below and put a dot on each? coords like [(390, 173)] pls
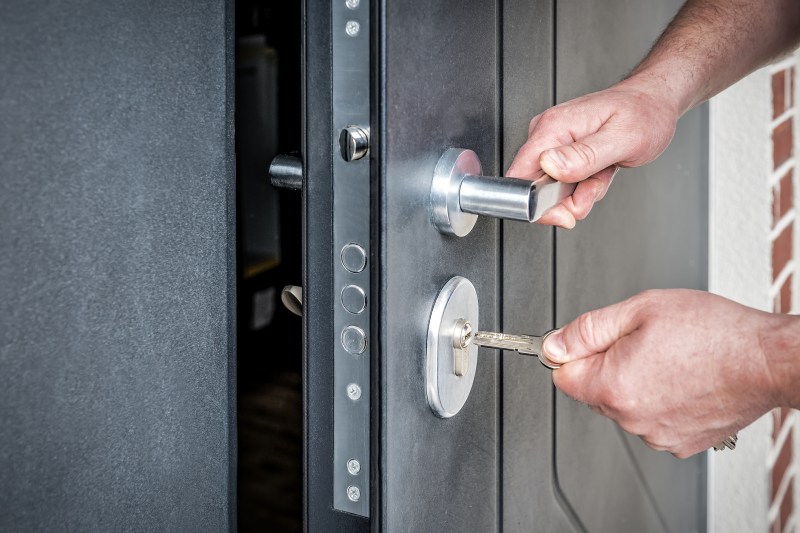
[(524, 344)]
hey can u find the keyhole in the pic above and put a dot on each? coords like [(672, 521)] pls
[(462, 337)]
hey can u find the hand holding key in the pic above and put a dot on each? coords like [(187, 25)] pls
[(683, 370), (639, 392)]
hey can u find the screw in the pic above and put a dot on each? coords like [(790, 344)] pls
[(353, 391), (354, 467), (352, 27), (352, 4), (354, 493)]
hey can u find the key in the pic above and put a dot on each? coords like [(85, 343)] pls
[(532, 345), (522, 344)]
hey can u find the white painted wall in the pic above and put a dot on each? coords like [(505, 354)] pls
[(740, 268)]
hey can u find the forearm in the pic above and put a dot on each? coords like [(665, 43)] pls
[(780, 344), (711, 44)]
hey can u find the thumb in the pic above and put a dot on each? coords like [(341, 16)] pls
[(585, 157), (592, 333)]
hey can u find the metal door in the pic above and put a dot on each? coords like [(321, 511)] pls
[(117, 265), (422, 78), (656, 218)]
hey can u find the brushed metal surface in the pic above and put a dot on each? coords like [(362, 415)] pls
[(351, 219), (449, 173), (459, 193), (446, 391)]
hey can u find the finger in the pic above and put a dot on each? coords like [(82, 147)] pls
[(585, 157), (526, 163), (575, 380), (534, 122), (588, 192), (592, 333), (558, 215)]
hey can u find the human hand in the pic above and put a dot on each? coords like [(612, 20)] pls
[(587, 139), (681, 369)]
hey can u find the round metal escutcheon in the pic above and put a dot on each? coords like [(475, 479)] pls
[(446, 213), (447, 392)]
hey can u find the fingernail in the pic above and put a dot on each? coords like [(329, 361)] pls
[(556, 158), (554, 347)]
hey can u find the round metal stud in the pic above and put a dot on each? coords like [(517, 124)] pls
[(446, 391), (354, 340), (354, 257), (353, 299)]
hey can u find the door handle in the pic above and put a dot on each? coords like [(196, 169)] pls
[(459, 193)]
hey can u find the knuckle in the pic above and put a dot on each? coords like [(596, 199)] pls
[(586, 328)]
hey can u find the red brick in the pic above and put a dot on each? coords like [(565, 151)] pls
[(787, 505), (782, 137), (782, 197), (781, 251), (786, 296), (776, 204), (779, 415), (781, 466), (791, 87), (778, 93)]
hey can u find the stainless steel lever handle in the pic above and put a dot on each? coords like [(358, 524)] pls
[(459, 194)]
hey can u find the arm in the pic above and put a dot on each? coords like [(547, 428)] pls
[(709, 45), (681, 369)]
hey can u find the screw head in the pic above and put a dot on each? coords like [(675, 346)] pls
[(353, 391), (354, 467), (352, 28), (354, 493), (352, 4)]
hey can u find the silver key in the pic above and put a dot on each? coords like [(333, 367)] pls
[(522, 344), (729, 443)]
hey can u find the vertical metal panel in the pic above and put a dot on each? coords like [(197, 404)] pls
[(351, 227), (529, 496), (439, 75), (649, 231), (117, 381), (318, 276)]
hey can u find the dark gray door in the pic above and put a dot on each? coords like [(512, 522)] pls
[(471, 75), (116, 266), (650, 231)]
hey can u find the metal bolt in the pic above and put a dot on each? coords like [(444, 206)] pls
[(354, 467), (354, 493), (353, 391), (352, 4), (352, 27), (354, 142)]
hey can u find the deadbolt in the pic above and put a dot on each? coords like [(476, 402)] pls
[(354, 142)]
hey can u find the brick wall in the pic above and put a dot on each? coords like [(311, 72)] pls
[(781, 458)]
